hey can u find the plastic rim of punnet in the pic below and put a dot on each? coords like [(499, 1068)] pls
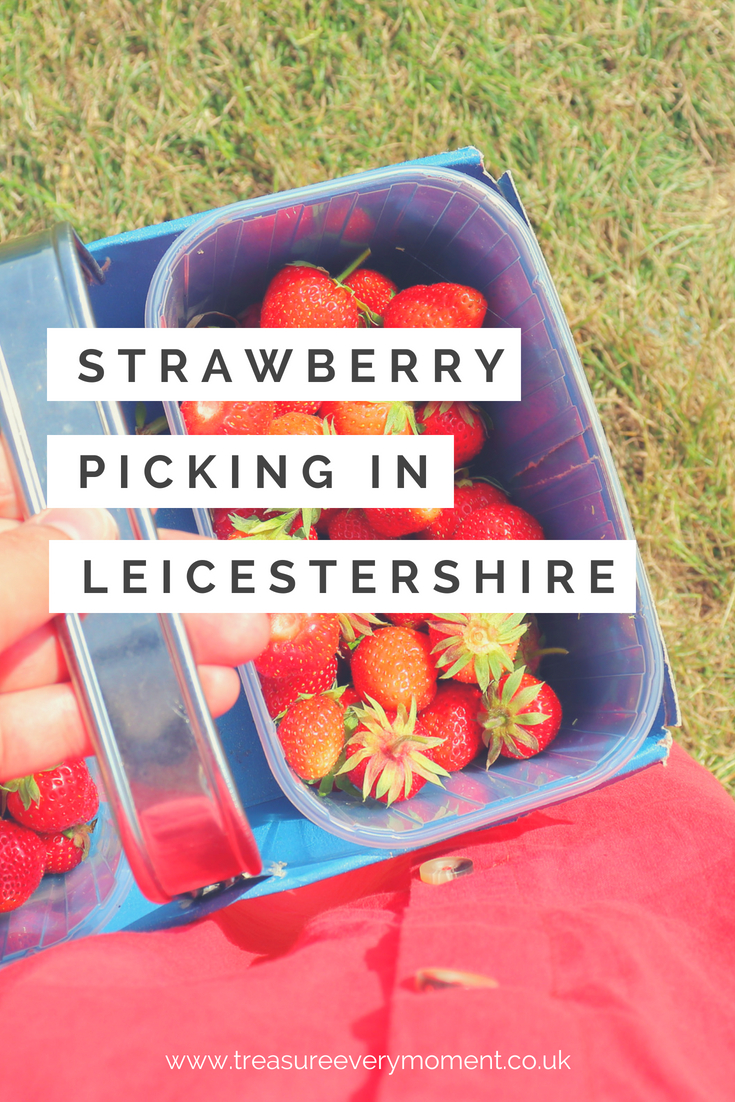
[(424, 225)]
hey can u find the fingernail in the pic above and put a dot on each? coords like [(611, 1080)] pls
[(79, 524)]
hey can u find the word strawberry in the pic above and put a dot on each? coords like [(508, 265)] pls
[(499, 522), (370, 418), (394, 666), (299, 642), (438, 306), (475, 647), (468, 496), (458, 419), (392, 523), (312, 734), (452, 716), (520, 717), (54, 799), (372, 288), (22, 862), (65, 849), (280, 692), (304, 297), (387, 754)]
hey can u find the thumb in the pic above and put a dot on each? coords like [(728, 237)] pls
[(24, 564)]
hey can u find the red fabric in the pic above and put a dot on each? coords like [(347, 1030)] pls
[(607, 922)]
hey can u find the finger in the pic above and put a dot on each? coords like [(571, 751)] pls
[(217, 639), (41, 727), (24, 564), (35, 660)]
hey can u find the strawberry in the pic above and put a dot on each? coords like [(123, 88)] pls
[(227, 418), (296, 424), (458, 419), (387, 755), (222, 520), (452, 716), (438, 306), (299, 642), (312, 734), (287, 524), (468, 496), (499, 522), (408, 619), (65, 849), (280, 692), (475, 647), (354, 625), (392, 523), (54, 799), (351, 524), (296, 407), (394, 666), (520, 717), (372, 288), (22, 861), (370, 418), (249, 318), (303, 297)]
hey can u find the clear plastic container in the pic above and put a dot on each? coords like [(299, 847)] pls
[(76, 904), (425, 224)]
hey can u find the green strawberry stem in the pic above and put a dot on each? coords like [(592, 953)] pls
[(353, 266)]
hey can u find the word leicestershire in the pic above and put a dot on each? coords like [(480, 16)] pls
[(261, 576)]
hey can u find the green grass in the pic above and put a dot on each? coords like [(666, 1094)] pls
[(616, 119)]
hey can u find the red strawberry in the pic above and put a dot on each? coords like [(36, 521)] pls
[(281, 692), (408, 619), (370, 418), (520, 717), (458, 419), (351, 524), (276, 524), (302, 297), (222, 520), (22, 860), (387, 754), (392, 523), (312, 734), (299, 642), (394, 666), (55, 798), (296, 407), (475, 647), (65, 849), (372, 288), (452, 716), (227, 418), (499, 522), (468, 496), (438, 306), (250, 316), (296, 424), (354, 625)]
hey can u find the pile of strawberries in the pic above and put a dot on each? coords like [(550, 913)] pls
[(45, 827), (380, 704)]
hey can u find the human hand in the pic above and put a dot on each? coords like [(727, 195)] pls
[(40, 721)]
